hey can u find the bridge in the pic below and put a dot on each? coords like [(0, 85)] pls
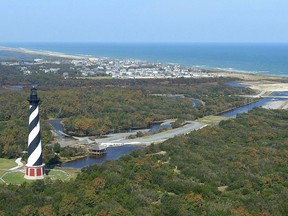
[(271, 96), (264, 94)]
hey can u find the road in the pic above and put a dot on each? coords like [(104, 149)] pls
[(261, 94), (120, 139), (118, 136)]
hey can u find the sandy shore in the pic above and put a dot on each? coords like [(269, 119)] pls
[(268, 86), (257, 82), (45, 53), (263, 85), (252, 77), (277, 105), (260, 82)]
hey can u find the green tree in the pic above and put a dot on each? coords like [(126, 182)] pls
[(57, 148)]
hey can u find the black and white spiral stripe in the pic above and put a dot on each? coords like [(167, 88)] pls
[(34, 138)]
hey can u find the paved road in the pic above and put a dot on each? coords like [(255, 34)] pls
[(261, 94), (156, 138), (119, 139), (118, 136)]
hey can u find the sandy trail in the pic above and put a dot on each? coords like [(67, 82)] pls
[(276, 105)]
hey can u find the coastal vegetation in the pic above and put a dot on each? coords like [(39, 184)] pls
[(236, 168), (16, 177), (97, 107), (6, 163)]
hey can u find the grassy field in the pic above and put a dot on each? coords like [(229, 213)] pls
[(72, 173), (212, 120), (2, 172), (57, 174), (7, 163), (17, 177)]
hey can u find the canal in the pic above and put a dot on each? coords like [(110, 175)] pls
[(233, 113), (114, 153)]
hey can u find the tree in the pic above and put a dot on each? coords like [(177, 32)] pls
[(57, 148)]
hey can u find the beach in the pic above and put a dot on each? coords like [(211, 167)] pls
[(263, 84), (277, 105), (44, 53)]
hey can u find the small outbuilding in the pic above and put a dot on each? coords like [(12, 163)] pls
[(98, 150)]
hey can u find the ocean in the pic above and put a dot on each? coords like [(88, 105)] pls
[(269, 59)]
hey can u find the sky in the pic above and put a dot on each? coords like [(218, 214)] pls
[(144, 21)]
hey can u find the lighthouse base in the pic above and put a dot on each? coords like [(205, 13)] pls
[(34, 172)]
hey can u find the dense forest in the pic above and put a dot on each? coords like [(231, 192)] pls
[(96, 107), (236, 168)]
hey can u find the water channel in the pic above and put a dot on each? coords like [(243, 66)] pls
[(233, 113), (114, 153), (262, 102)]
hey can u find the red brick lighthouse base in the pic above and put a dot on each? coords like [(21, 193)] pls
[(34, 172)]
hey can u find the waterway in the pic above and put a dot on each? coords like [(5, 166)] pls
[(16, 86), (112, 154), (57, 127), (116, 152), (233, 113), (195, 102), (236, 84)]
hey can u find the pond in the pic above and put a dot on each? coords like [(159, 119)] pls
[(236, 84), (113, 153)]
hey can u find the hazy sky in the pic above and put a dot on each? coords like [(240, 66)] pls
[(143, 20)]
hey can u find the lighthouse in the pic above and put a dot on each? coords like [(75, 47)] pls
[(34, 168)]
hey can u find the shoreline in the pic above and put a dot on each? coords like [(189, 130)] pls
[(42, 52), (258, 82), (227, 72)]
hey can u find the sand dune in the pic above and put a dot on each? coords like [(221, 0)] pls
[(45, 53)]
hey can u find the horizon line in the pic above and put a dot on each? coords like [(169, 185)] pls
[(138, 42)]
